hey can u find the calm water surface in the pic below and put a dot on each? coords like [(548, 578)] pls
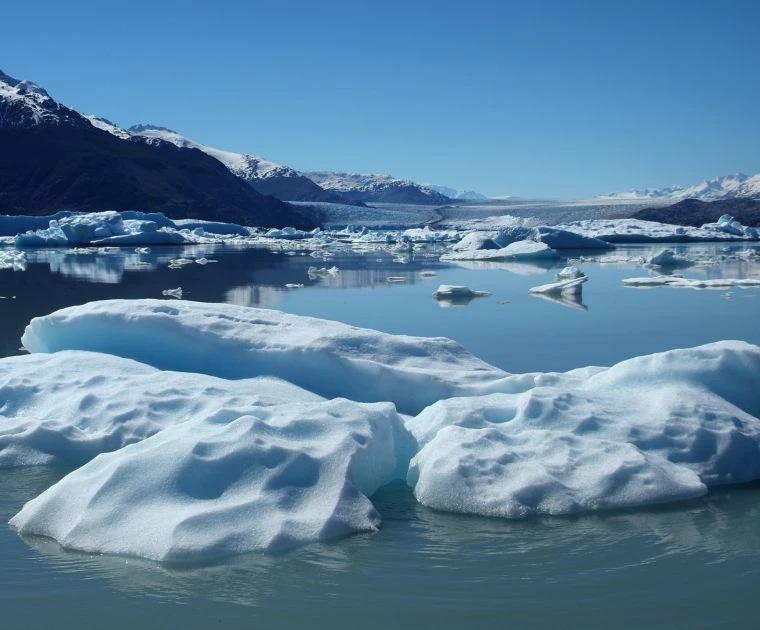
[(694, 565)]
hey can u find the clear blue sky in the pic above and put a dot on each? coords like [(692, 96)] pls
[(562, 98)]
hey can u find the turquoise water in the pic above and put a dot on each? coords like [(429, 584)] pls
[(691, 565)]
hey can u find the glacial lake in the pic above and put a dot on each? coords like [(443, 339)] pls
[(692, 565)]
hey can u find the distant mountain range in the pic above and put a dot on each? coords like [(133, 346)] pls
[(264, 176), (460, 195), (738, 186), (53, 158), (377, 188)]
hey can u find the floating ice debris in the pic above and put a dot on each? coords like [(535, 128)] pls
[(268, 478), (426, 235), (570, 272), (142, 250), (454, 295), (175, 293), (178, 263), (519, 250), (428, 274), (204, 261), (649, 430), (554, 237), (11, 259), (65, 408), (322, 272), (290, 233), (668, 258), (726, 223), (475, 241), (396, 279), (688, 283), (292, 285), (573, 285)]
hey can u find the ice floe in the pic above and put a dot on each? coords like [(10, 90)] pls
[(691, 283), (638, 231), (214, 455), (519, 251), (268, 478), (652, 429), (455, 295)]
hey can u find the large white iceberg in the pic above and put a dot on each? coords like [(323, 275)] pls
[(270, 478), (648, 430), (692, 283), (212, 465)]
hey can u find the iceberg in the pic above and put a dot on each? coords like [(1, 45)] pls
[(519, 251), (653, 429), (193, 446), (668, 258), (268, 478)]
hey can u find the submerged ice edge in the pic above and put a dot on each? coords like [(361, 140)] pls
[(188, 487)]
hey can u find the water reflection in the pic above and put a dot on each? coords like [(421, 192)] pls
[(418, 547)]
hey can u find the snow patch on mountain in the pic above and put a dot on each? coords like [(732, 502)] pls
[(23, 103), (246, 166), (379, 187), (733, 186)]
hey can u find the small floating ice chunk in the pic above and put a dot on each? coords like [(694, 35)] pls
[(322, 272), (668, 258), (175, 293), (570, 272), (454, 295), (573, 285), (293, 285), (178, 263)]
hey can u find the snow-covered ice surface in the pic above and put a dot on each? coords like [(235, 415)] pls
[(326, 357), (269, 478), (65, 408), (648, 430)]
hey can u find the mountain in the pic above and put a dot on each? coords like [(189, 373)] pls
[(268, 178), (377, 188), (52, 158), (453, 193), (737, 186), (695, 212)]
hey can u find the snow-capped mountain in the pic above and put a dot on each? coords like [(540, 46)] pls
[(735, 186), (264, 176), (53, 158), (453, 193), (378, 188)]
